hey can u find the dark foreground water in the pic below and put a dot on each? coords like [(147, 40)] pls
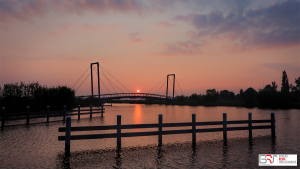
[(36, 145)]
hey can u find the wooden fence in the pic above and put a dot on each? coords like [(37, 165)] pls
[(160, 126), (47, 114)]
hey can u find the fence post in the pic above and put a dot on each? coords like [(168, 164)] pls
[(91, 110), (102, 110), (273, 124), (224, 126), (48, 109), (160, 130), (3, 116), (28, 109), (119, 131), (78, 112), (194, 128), (250, 124), (68, 133)]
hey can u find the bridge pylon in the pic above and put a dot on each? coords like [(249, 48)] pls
[(97, 63), (168, 87)]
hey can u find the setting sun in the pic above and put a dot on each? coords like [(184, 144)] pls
[(138, 91)]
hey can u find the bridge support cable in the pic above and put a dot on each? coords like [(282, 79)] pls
[(106, 74), (111, 83), (104, 86), (158, 90), (114, 78), (174, 89), (179, 87), (176, 93), (171, 84), (94, 68), (164, 79), (82, 82), (80, 77)]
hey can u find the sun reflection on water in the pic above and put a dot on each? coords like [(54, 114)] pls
[(138, 115)]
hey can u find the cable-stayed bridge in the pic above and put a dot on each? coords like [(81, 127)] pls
[(128, 95), (111, 83)]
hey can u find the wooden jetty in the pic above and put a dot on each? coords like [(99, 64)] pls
[(47, 114)]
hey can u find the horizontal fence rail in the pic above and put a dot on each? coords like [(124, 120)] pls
[(161, 132), (47, 114)]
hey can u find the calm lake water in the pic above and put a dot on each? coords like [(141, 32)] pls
[(37, 145)]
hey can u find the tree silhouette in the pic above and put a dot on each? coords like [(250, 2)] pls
[(15, 97), (211, 95), (226, 95), (180, 98), (268, 87), (285, 87), (297, 81), (242, 92), (194, 96), (274, 86), (250, 97)]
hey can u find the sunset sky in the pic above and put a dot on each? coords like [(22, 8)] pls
[(232, 44)]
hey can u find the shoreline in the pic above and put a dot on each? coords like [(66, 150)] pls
[(188, 103)]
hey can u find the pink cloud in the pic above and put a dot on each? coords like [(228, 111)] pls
[(23, 10), (27, 9), (181, 48), (67, 27), (188, 17), (62, 28), (135, 37), (4, 27), (98, 28), (122, 6), (272, 27), (138, 37), (165, 24)]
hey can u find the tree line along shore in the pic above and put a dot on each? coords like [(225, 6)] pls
[(267, 97), (15, 97)]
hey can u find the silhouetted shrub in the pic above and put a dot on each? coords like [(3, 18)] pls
[(15, 97), (212, 96), (180, 99), (250, 97)]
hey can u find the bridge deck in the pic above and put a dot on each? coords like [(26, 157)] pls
[(126, 95)]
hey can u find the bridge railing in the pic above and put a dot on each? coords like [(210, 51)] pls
[(68, 129), (47, 114), (124, 95)]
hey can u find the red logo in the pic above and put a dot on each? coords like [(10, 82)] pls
[(269, 159)]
